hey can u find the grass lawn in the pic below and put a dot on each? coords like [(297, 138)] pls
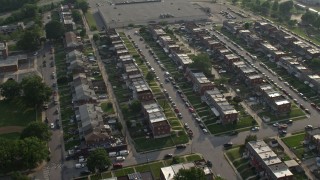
[(294, 140), (193, 157), (91, 21), (10, 136), (123, 172), (244, 123), (107, 107), (295, 113), (17, 114), (106, 175), (143, 144)]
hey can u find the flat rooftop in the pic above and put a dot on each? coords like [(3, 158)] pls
[(142, 13)]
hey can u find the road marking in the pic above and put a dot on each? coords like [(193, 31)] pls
[(46, 173)]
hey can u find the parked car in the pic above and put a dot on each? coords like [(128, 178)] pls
[(168, 156), (228, 145), (308, 127), (117, 166), (181, 146)]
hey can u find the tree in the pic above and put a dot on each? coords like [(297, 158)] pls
[(265, 7), (10, 89), (316, 24), (309, 17), (36, 129), (234, 2), (30, 40), (150, 76), (35, 92), (19, 176), (250, 138), (77, 17), (135, 106), (83, 5), (275, 5), (83, 32), (292, 22), (96, 37), (98, 160), (190, 174), (54, 30), (202, 62), (29, 10), (285, 8), (32, 151), (247, 25)]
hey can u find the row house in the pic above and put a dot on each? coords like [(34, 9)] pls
[(156, 31), (200, 82), (312, 53), (182, 59), (265, 29), (125, 59), (276, 55), (231, 58), (251, 39), (82, 91), (267, 48), (266, 161), (293, 67), (314, 81), (169, 172), (141, 90), (157, 120), (72, 41), (75, 62), (194, 29), (8, 29), (4, 50), (254, 79), (131, 69), (284, 38), (221, 52), (232, 26), (122, 52), (274, 99), (220, 106), (313, 139), (213, 44), (91, 126), (300, 47), (168, 44)]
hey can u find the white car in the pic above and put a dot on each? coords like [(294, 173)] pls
[(256, 128), (120, 158), (51, 125), (275, 124)]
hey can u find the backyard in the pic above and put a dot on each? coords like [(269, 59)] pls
[(294, 143), (153, 167)]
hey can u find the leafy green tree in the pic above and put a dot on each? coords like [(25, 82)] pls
[(309, 17), (35, 92), (30, 40), (250, 138), (190, 174), (9, 5), (150, 76), (247, 25), (19, 176), (9, 155), (98, 160), (202, 62), (29, 10), (54, 30), (10, 89), (77, 17), (83, 32), (275, 5), (135, 106), (32, 151), (96, 37), (234, 1), (36, 129), (265, 7), (285, 8), (292, 22), (83, 5), (316, 24)]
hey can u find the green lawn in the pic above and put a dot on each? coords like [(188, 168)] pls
[(123, 172), (107, 107), (294, 140), (17, 114), (193, 157), (10, 136), (91, 21)]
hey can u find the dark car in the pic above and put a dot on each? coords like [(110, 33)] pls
[(117, 166), (181, 146), (233, 133), (84, 173), (228, 145), (168, 156), (209, 163)]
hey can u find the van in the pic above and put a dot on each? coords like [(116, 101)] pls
[(123, 152), (112, 154)]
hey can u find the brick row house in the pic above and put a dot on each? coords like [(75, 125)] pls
[(266, 161), (220, 106), (131, 74)]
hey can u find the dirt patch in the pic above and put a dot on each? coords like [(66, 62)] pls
[(10, 129)]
